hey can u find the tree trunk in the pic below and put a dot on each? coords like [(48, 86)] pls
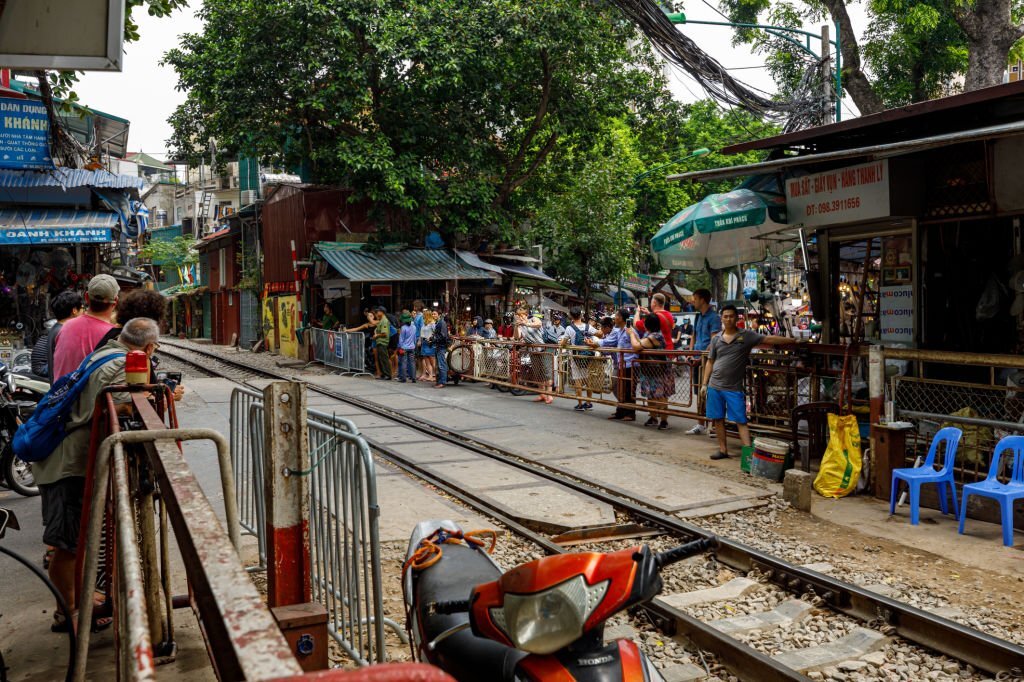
[(990, 35), (855, 81)]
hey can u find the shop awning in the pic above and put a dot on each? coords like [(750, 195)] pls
[(873, 152), (471, 258), (551, 304), (525, 271), (56, 226), (542, 285), (68, 178), (358, 265), (621, 296)]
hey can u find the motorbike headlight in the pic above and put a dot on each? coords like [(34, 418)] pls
[(545, 622)]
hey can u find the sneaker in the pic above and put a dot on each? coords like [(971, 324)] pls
[(652, 421), (588, 406), (697, 430), (401, 381), (663, 426), (720, 455), (580, 407)]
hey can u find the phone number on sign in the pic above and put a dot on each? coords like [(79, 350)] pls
[(833, 206)]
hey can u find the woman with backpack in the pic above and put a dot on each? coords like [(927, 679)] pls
[(577, 333)]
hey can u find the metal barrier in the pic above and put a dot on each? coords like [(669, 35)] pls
[(151, 488), (662, 382), (343, 351), (343, 521), (977, 392)]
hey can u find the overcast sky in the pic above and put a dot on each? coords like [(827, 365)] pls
[(144, 92)]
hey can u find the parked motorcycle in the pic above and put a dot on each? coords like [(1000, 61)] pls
[(19, 396), (543, 620)]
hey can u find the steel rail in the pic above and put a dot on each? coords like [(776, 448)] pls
[(916, 625)]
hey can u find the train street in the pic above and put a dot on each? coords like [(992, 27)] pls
[(512, 341), (667, 472)]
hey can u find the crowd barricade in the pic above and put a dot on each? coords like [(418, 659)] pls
[(667, 382), (343, 520), (339, 350)]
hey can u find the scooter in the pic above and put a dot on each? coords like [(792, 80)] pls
[(543, 620), (18, 399)]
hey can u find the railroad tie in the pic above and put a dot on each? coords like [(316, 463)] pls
[(858, 643), (734, 589), (788, 612)]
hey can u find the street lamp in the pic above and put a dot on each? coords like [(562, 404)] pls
[(703, 151)]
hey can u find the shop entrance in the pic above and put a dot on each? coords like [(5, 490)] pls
[(968, 275)]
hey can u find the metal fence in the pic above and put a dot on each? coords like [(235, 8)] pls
[(343, 521), (152, 489), (343, 351), (983, 395), (664, 382)]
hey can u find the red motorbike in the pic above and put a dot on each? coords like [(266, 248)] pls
[(543, 620)]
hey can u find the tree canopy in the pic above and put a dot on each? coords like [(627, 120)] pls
[(913, 49), (443, 112)]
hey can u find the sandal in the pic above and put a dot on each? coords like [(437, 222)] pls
[(61, 624)]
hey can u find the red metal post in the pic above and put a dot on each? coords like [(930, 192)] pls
[(286, 463)]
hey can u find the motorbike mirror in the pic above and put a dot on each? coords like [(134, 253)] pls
[(12, 382), (681, 552)]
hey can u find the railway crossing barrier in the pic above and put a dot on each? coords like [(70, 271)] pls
[(341, 510), (342, 351)]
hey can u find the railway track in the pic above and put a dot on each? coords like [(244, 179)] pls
[(794, 591)]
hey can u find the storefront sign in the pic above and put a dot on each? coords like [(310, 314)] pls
[(71, 235), (380, 290), (896, 314), (339, 347), (24, 134), (839, 196)]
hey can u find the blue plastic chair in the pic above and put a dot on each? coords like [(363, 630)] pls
[(915, 477), (1005, 493)]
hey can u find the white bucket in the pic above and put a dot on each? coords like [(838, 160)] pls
[(772, 447)]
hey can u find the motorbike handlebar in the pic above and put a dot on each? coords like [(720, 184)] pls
[(446, 608), (681, 552)]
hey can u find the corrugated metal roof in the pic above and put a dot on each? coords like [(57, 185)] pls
[(67, 178), (527, 271), (474, 260), (55, 218), (396, 266)]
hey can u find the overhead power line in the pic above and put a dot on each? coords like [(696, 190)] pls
[(803, 109)]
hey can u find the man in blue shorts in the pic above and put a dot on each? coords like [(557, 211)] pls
[(728, 356)]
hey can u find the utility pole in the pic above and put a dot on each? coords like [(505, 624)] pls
[(826, 76)]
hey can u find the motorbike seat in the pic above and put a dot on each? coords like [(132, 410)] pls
[(464, 655)]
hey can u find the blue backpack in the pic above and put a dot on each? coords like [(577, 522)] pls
[(46, 428)]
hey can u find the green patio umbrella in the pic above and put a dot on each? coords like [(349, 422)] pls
[(720, 231)]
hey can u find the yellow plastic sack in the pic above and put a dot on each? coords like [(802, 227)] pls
[(840, 465)]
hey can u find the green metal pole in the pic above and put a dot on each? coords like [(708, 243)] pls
[(839, 77)]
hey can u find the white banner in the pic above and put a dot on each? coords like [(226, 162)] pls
[(842, 195), (896, 314)]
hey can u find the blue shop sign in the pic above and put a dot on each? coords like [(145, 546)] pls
[(24, 134), (69, 235)]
